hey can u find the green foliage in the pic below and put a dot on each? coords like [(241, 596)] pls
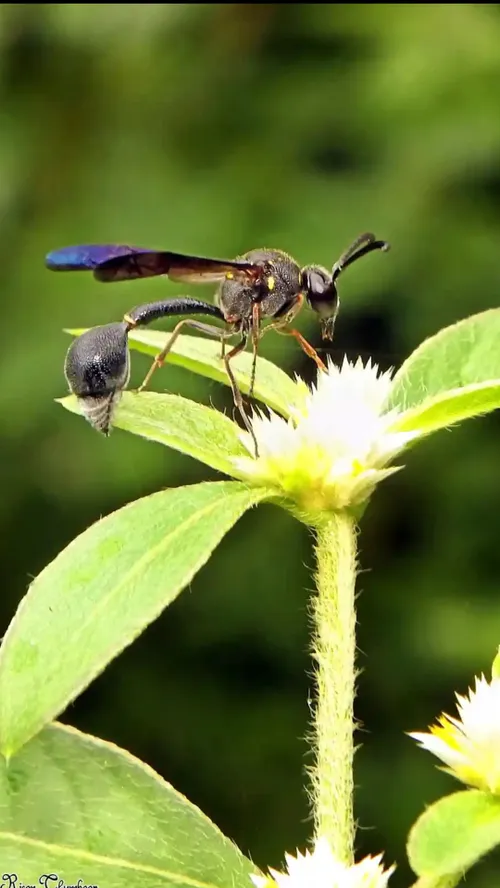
[(453, 834), (186, 426), (272, 385), (100, 592), (463, 355), (452, 376), (117, 569), (203, 356), (438, 882), (451, 407), (84, 809), (215, 129)]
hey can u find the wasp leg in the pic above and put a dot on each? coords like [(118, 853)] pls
[(280, 326), (309, 350), (220, 334), (238, 400), (188, 322), (256, 334)]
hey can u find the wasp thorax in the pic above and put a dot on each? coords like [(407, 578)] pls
[(97, 369), (276, 293)]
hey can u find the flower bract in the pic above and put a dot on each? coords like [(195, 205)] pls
[(470, 744), (320, 869), (337, 444)]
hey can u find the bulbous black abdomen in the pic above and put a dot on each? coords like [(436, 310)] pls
[(97, 361)]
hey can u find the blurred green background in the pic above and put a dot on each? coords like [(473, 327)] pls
[(214, 129)]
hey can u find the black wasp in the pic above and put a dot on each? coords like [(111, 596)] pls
[(261, 284)]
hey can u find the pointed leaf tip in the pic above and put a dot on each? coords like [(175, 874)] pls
[(101, 592)]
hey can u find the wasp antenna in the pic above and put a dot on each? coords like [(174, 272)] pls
[(363, 245)]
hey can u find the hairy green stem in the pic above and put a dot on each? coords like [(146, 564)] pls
[(334, 652)]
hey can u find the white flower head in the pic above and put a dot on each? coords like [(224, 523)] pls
[(470, 745), (320, 869), (337, 444)]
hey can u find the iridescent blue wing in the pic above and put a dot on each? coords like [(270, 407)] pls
[(121, 263), (87, 257)]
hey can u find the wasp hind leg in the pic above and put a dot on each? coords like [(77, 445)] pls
[(237, 397)]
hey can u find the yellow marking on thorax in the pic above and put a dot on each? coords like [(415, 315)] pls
[(271, 282)]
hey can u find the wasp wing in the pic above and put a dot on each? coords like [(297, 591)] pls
[(111, 263)]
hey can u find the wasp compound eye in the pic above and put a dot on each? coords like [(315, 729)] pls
[(321, 294), (97, 370)]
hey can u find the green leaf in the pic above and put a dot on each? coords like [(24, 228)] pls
[(450, 408), (495, 666), (73, 805), (438, 881), (203, 356), (464, 354), (102, 591), (454, 833), (192, 428)]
